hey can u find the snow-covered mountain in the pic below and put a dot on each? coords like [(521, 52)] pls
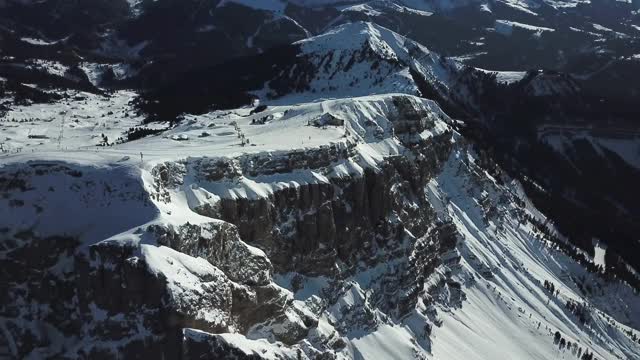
[(321, 180), (352, 59), (161, 39), (354, 228), (363, 58)]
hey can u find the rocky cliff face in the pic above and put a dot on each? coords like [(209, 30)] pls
[(133, 298), (216, 273), (329, 224), (339, 223)]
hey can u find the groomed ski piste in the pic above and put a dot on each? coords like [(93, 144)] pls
[(503, 309)]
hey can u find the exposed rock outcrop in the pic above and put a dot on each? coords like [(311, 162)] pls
[(311, 228), (220, 244)]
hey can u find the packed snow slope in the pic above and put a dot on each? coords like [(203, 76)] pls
[(353, 228)]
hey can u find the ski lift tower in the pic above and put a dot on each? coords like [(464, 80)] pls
[(61, 134)]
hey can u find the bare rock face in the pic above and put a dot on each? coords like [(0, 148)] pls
[(252, 297), (167, 175), (267, 164), (410, 119), (313, 227), (138, 296), (97, 299), (220, 244)]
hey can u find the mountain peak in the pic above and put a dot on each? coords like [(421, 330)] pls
[(355, 35)]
